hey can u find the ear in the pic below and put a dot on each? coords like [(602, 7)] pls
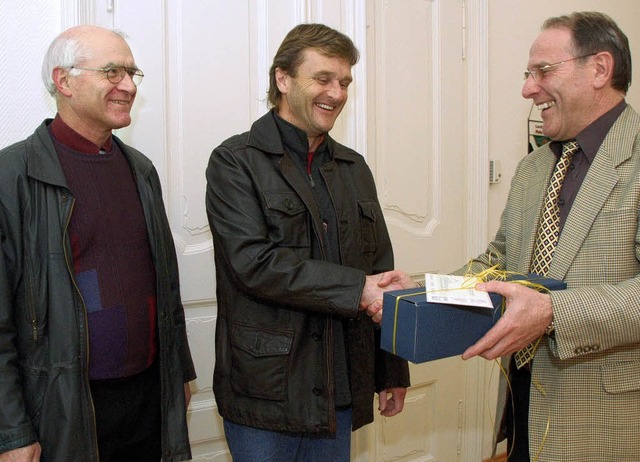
[(603, 66), (282, 80), (60, 78)]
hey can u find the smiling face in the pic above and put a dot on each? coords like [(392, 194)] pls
[(313, 99), (89, 103), (565, 94)]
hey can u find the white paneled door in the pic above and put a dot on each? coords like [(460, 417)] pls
[(206, 75)]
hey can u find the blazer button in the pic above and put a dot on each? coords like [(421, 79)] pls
[(317, 391), (316, 336)]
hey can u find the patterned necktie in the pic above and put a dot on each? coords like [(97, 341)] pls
[(548, 232)]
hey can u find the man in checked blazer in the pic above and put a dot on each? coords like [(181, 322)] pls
[(580, 400)]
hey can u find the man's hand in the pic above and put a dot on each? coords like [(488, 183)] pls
[(29, 453), (371, 291), (374, 311), (527, 315), (397, 279), (391, 405), (376, 285)]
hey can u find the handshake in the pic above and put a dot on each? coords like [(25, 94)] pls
[(376, 285)]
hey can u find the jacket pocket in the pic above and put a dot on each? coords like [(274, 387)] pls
[(621, 377), (260, 360), (35, 383), (287, 219), (369, 214), (35, 293)]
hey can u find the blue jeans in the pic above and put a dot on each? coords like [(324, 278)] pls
[(248, 444)]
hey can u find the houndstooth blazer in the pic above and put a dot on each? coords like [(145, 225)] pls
[(586, 378)]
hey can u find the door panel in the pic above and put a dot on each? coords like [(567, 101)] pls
[(415, 77)]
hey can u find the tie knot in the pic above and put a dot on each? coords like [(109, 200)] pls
[(569, 148)]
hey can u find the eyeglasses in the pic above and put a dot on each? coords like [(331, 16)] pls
[(115, 74), (539, 72)]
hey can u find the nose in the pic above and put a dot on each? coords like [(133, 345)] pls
[(336, 91), (529, 87), (127, 84)]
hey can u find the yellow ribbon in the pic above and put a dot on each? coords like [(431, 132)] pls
[(395, 317), (487, 275), (493, 274)]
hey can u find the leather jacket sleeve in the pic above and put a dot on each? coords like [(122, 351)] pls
[(16, 429)]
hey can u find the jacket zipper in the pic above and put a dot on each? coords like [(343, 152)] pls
[(67, 259), (31, 303)]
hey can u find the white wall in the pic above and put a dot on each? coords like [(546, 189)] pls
[(23, 41)]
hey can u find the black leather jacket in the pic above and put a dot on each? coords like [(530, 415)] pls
[(273, 334), (44, 388)]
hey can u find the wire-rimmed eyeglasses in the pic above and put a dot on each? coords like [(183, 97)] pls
[(541, 71), (115, 74)]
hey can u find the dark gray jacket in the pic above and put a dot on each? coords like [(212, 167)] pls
[(44, 388), (274, 336)]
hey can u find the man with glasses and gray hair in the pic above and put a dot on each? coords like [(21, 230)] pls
[(94, 359)]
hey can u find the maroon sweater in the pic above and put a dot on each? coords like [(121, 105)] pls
[(111, 255)]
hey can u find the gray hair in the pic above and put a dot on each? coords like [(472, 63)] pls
[(66, 51)]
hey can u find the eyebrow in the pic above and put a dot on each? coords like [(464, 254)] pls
[(112, 64), (331, 75)]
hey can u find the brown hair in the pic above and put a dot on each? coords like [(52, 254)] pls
[(327, 41), (594, 32)]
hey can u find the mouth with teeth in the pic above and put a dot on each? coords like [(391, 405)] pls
[(546, 105), (325, 106)]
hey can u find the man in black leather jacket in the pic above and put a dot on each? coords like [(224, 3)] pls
[(299, 239), (94, 360)]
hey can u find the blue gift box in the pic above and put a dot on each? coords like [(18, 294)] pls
[(420, 331)]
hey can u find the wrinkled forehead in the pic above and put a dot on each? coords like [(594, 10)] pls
[(106, 47), (315, 61), (551, 46)]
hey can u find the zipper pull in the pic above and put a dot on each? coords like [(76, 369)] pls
[(313, 185)]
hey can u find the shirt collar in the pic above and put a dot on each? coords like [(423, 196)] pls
[(293, 137), (590, 139), (73, 140)]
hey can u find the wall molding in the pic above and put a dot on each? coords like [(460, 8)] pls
[(477, 436)]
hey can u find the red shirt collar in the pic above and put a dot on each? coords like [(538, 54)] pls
[(73, 140)]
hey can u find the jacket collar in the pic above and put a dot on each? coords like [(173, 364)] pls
[(42, 159), (43, 164), (265, 136)]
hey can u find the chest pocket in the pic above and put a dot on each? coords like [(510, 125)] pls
[(287, 219), (369, 213)]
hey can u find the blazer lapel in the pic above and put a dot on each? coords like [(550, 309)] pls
[(596, 188)]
